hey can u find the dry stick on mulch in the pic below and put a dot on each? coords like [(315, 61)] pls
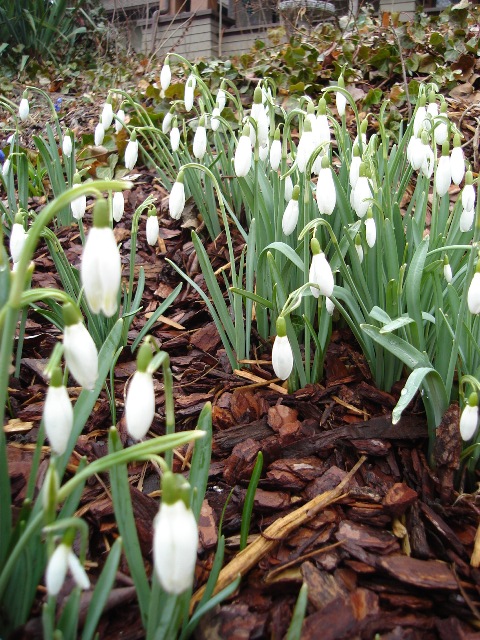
[(275, 533)]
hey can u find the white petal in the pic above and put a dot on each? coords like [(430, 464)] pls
[(466, 220), (321, 274), (282, 357), (78, 571), (131, 154), (18, 237), (58, 418), (457, 165), (80, 354), (165, 77), (243, 157), (288, 189), (99, 134), (443, 176), (341, 103), (67, 146), (468, 422), (57, 570), (101, 271), (175, 138), (23, 109), (306, 147), (167, 122), (152, 230), (468, 197), (420, 115), (140, 404), (370, 232), (473, 297), (354, 169), (107, 115), (275, 154), (290, 217), (200, 142), (447, 273), (329, 306), (326, 194), (78, 207), (176, 201), (120, 120), (118, 206), (362, 196)]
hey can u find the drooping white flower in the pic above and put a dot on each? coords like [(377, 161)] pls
[(326, 194), (58, 414), (165, 74), (78, 207), (320, 272), (288, 188), (466, 220), (189, 93), (221, 99), (118, 206), (340, 99), (200, 140), (167, 122), (306, 147), (18, 237), (99, 134), (119, 120), (416, 152), (469, 418), (260, 115), (420, 115), (67, 146), (441, 125), (358, 247), (457, 161), (153, 227), (60, 561), (243, 154), (107, 115), (175, 541), (432, 107), (354, 167), (447, 270), (290, 215), (175, 136), (140, 400), (263, 151), (322, 126), (443, 175), (214, 121), (282, 355), (101, 269), (473, 296), (330, 306), (6, 167), (276, 152), (24, 108), (131, 152), (176, 201), (370, 232), (468, 197), (361, 195), (80, 352), (428, 161)]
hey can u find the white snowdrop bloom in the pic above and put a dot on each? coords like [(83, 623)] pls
[(323, 131), (107, 115), (370, 232), (275, 154), (326, 194), (67, 146), (214, 121), (260, 115), (282, 355), (290, 217), (221, 100), (418, 120), (140, 404), (190, 93), (58, 414), (23, 109), (165, 74), (447, 272), (306, 147), (80, 352), (101, 268), (263, 152), (175, 542), (119, 120), (175, 137), (18, 237), (99, 134), (469, 419), (354, 170), (330, 306), (118, 206), (200, 140), (428, 161), (443, 176), (152, 229), (457, 164), (176, 201), (243, 154), (362, 196), (6, 167), (466, 220), (288, 188), (468, 197), (60, 561), (341, 103), (320, 273), (359, 248), (416, 152), (167, 122), (432, 108), (78, 207), (440, 133), (473, 296), (131, 152)]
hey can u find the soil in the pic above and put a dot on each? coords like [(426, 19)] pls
[(386, 550)]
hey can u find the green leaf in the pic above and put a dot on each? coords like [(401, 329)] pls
[(249, 500), (295, 629)]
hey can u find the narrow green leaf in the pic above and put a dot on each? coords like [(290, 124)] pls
[(249, 500), (295, 629)]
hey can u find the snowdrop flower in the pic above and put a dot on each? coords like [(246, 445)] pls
[(457, 161), (80, 353), (443, 175), (24, 107), (320, 272), (221, 98), (79, 205), (440, 132), (243, 154), (263, 151), (282, 355), (370, 230), (361, 195), (340, 99), (447, 270), (469, 418), (432, 108), (330, 306), (60, 561), (288, 188), (259, 114), (189, 92), (214, 121), (67, 145), (322, 128), (107, 114), (200, 140), (131, 152), (118, 206), (153, 228), (466, 220), (174, 136), (473, 296), (140, 400), (326, 194), (358, 247), (468, 193), (58, 414), (276, 151), (175, 537), (101, 269), (290, 215), (18, 237), (306, 147), (167, 121), (416, 152), (99, 134), (354, 167), (428, 159), (420, 115), (6, 167), (362, 135), (176, 201), (119, 120), (165, 74)]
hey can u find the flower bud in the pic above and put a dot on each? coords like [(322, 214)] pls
[(58, 414), (165, 74), (282, 356), (131, 152), (290, 215), (176, 201), (469, 418), (80, 352), (153, 228)]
